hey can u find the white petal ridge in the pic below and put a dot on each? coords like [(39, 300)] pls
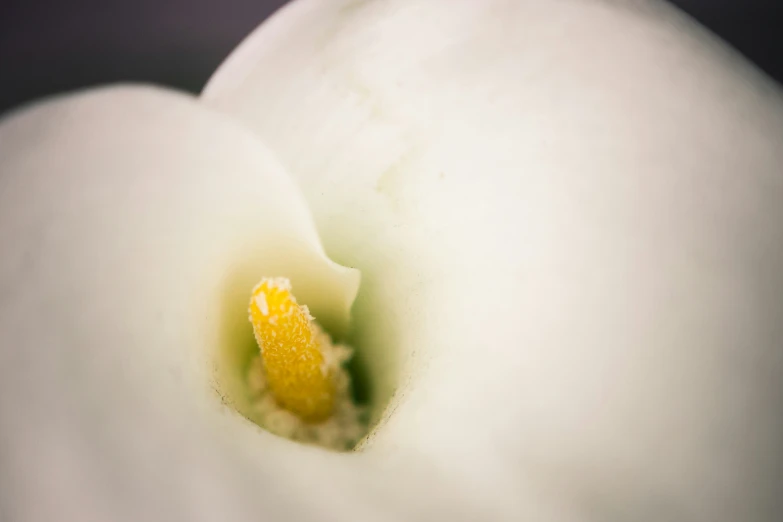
[(131, 219)]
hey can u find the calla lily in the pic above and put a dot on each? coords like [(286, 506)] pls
[(566, 217)]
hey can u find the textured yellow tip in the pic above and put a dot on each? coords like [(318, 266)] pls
[(296, 372)]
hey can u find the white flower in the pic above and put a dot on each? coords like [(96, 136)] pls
[(567, 219)]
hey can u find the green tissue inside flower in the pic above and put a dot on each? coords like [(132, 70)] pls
[(370, 385)]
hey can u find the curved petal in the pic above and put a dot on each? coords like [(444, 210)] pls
[(134, 223), (566, 215)]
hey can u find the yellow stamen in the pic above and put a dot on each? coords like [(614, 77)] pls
[(296, 372)]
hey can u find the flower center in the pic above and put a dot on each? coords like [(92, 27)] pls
[(291, 351), (301, 389)]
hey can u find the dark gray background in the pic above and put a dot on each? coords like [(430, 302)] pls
[(48, 46)]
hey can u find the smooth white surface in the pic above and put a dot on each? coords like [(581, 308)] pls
[(568, 219), (127, 215)]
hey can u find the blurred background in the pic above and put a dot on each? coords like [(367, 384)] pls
[(48, 46)]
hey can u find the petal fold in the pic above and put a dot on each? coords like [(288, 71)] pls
[(567, 219), (134, 223)]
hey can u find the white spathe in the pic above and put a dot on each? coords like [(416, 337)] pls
[(566, 215), (568, 219), (134, 222), (131, 220)]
